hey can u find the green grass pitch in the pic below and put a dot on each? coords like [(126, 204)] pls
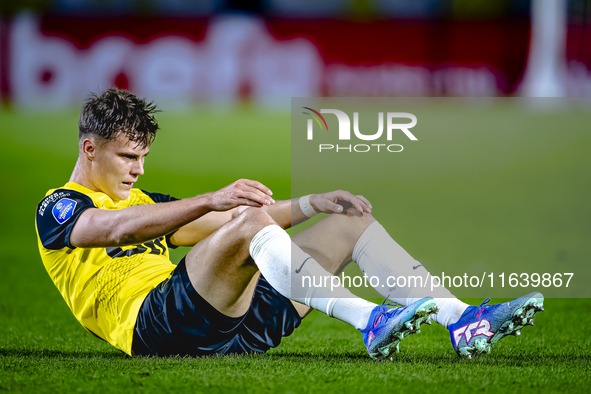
[(43, 348)]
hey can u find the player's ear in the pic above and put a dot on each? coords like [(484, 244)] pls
[(89, 148)]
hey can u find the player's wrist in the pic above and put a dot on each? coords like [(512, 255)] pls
[(207, 200), (313, 202), (307, 206)]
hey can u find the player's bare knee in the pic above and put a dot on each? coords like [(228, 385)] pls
[(360, 223), (350, 225), (354, 218), (256, 216), (252, 220)]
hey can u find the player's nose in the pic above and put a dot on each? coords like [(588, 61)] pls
[(137, 169)]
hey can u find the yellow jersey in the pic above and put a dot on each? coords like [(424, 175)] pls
[(104, 287)]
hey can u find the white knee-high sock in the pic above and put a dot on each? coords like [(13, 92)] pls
[(273, 252), (377, 254)]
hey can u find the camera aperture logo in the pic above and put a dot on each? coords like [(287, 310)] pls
[(344, 132)]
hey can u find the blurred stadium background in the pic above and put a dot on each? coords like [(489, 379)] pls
[(224, 72), (182, 52)]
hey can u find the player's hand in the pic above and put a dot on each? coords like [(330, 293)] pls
[(241, 192), (339, 201)]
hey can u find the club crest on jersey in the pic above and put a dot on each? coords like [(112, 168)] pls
[(63, 210), (480, 327)]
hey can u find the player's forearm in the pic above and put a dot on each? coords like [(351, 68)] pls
[(141, 223), (138, 223)]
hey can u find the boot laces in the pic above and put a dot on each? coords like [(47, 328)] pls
[(482, 307), (384, 309)]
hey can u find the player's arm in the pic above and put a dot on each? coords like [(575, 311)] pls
[(199, 229), (196, 231), (286, 213), (140, 223)]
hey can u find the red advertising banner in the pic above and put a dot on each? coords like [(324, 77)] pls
[(52, 62)]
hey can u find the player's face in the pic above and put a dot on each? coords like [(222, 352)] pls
[(117, 166)]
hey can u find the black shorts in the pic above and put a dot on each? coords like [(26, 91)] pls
[(175, 320)]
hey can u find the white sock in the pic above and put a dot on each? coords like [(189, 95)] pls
[(273, 252), (377, 254)]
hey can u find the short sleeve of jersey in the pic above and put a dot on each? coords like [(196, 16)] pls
[(157, 198), (56, 216)]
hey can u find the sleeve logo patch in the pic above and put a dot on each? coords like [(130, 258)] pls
[(63, 210)]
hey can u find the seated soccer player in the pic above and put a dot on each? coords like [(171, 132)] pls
[(105, 245)]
